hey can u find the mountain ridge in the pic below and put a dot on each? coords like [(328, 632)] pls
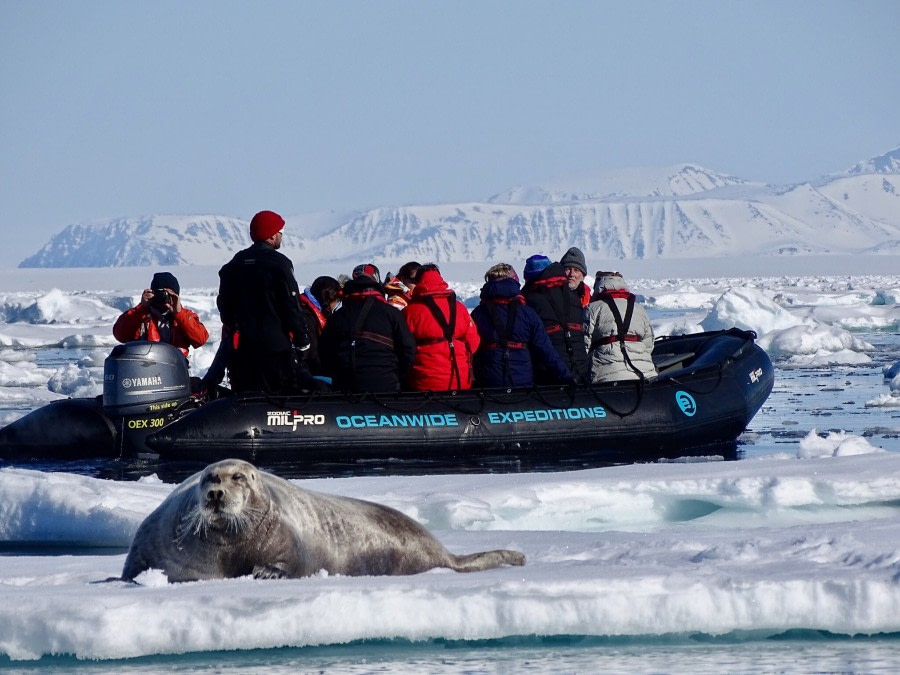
[(679, 211)]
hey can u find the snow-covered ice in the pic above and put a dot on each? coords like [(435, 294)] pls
[(763, 545)]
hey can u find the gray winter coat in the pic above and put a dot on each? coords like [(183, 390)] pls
[(601, 335)]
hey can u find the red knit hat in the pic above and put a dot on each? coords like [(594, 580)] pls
[(265, 224)]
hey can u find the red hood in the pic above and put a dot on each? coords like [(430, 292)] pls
[(431, 283)]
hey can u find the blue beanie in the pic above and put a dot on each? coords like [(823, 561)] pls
[(534, 266)]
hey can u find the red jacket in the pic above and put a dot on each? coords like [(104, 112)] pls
[(138, 323), (438, 367)]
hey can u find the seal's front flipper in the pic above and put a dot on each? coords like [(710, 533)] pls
[(269, 572)]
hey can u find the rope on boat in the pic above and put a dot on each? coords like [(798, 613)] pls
[(639, 386)]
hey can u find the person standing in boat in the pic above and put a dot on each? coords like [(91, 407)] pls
[(318, 302), (365, 345), (575, 268), (512, 335), (617, 332), (547, 291), (445, 335), (259, 305), (160, 317)]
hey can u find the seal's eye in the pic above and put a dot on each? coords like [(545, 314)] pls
[(238, 477)]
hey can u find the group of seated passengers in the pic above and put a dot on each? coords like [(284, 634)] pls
[(552, 330), (367, 345)]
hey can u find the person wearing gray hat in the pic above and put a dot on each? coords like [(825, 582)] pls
[(560, 308), (575, 267)]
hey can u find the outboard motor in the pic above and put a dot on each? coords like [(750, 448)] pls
[(144, 386)]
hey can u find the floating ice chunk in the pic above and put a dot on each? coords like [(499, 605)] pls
[(59, 307), (835, 444), (87, 340), (21, 374), (844, 357), (891, 400), (685, 297), (817, 345), (749, 309), (76, 382), (19, 356)]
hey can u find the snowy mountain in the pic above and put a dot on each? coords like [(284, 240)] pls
[(684, 211), (674, 181), (148, 240), (886, 163)]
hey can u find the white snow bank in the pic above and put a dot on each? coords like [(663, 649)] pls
[(654, 549)]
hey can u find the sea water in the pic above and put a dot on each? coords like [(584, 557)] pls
[(795, 652)]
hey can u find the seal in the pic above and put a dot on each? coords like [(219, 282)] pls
[(232, 519)]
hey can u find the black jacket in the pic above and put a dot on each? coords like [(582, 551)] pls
[(560, 309), (373, 354), (259, 297), (314, 328)]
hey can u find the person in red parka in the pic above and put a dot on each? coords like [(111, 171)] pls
[(446, 337), (160, 317)]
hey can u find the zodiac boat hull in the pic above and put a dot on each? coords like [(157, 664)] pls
[(709, 388)]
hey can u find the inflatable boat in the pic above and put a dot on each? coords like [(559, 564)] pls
[(709, 387)]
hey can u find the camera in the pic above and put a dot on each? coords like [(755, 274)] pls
[(160, 299)]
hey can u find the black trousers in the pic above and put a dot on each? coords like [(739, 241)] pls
[(272, 373)]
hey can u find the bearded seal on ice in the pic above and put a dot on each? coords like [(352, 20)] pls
[(232, 519)]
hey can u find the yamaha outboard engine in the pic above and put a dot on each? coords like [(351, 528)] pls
[(144, 386)]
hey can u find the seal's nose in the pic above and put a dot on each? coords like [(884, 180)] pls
[(215, 496)]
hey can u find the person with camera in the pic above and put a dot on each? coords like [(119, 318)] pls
[(160, 317)]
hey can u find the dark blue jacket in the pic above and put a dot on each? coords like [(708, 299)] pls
[(511, 365)]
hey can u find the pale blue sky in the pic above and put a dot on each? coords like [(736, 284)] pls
[(116, 108)]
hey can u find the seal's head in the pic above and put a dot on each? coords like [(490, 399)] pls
[(229, 497)]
